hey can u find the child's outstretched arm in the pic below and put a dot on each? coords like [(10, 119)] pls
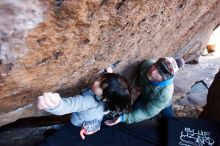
[(53, 103), (48, 101)]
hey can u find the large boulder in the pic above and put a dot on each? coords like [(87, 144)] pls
[(212, 109), (60, 46)]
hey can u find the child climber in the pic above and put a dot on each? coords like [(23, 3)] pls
[(110, 93)]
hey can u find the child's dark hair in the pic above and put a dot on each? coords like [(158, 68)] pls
[(117, 92)]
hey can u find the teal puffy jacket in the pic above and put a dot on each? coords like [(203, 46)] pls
[(153, 98)]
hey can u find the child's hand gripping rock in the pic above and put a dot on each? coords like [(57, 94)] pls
[(48, 101)]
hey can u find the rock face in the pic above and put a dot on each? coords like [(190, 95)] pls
[(60, 46), (191, 74), (191, 85), (212, 109)]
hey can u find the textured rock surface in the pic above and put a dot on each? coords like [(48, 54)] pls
[(212, 109), (62, 47), (188, 100), (204, 71)]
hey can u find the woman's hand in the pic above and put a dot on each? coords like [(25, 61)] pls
[(136, 93), (113, 122), (48, 100)]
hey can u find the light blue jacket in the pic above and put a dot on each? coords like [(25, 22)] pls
[(86, 109)]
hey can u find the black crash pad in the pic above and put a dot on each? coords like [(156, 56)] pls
[(141, 134)]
